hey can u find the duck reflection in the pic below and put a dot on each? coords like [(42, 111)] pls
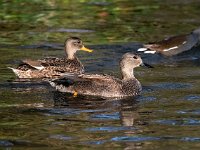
[(127, 110)]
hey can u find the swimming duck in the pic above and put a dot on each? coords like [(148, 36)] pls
[(173, 45), (104, 85), (51, 67)]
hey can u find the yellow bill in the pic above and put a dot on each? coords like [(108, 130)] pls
[(86, 49)]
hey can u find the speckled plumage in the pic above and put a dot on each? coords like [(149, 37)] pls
[(104, 85), (51, 67)]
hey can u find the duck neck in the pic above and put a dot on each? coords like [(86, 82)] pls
[(127, 73), (69, 53), (70, 56)]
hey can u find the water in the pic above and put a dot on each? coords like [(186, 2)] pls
[(33, 115)]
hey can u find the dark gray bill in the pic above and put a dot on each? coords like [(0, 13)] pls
[(147, 65)]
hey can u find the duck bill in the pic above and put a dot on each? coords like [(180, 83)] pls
[(86, 49), (146, 65)]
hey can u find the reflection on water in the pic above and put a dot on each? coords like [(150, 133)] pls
[(34, 115), (65, 120)]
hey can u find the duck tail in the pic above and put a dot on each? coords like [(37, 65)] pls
[(16, 71), (61, 85), (52, 83)]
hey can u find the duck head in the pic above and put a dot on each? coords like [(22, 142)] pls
[(128, 62), (72, 45)]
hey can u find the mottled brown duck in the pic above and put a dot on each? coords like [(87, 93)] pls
[(52, 67), (104, 85)]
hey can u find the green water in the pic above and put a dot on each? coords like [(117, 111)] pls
[(35, 116)]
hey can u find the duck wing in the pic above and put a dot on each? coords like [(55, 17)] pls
[(36, 64), (57, 64), (167, 43), (41, 63), (173, 45), (89, 84), (91, 77)]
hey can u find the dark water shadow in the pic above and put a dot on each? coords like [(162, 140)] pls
[(8, 144)]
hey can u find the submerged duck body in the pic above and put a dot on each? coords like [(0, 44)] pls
[(51, 67), (104, 85), (173, 45)]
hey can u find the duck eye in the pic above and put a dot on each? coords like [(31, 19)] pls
[(76, 43), (135, 57)]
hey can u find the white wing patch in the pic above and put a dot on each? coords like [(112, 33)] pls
[(171, 48), (142, 49), (38, 67), (150, 52), (184, 42), (16, 71)]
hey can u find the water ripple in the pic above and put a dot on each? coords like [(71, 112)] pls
[(95, 142), (172, 86), (190, 139), (66, 111), (5, 143), (146, 98), (192, 97), (60, 137), (110, 129), (196, 112), (183, 122), (134, 138), (143, 139), (114, 116)]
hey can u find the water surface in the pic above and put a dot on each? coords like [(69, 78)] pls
[(34, 115)]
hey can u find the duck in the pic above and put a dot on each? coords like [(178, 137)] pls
[(53, 67), (173, 45), (104, 85)]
